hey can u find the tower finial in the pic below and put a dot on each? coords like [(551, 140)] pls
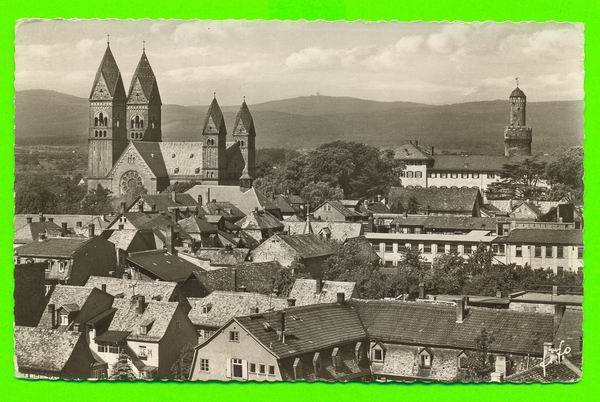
[(517, 79), (215, 95), (143, 46), (244, 98), (107, 39)]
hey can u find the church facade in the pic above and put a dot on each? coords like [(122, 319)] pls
[(126, 151)]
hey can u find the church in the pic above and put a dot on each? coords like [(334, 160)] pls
[(126, 151)]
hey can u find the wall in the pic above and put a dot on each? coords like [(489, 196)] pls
[(274, 249), (219, 351), (408, 177), (327, 213), (181, 332), (29, 294), (97, 257), (569, 262)]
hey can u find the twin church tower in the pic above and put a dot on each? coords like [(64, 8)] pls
[(126, 151)]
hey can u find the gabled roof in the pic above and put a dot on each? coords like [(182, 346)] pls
[(223, 256), (260, 220), (570, 237), (214, 123), (304, 291), (411, 152), (195, 224), (144, 74), (164, 201), (244, 124), (340, 231), (167, 267), (222, 306), (224, 208), (435, 326), (447, 222), (152, 155), (438, 199), (471, 163), (246, 200), (308, 328), (75, 298), (41, 349), (32, 231), (156, 314), (306, 245), (281, 202), (532, 207), (53, 247), (125, 288), (348, 213), (109, 71)]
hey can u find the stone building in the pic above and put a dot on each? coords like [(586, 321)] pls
[(126, 151), (517, 136)]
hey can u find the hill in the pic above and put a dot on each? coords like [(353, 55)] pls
[(53, 118)]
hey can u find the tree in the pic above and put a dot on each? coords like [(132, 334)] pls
[(181, 368), (97, 201), (122, 370), (449, 274), (284, 280), (411, 272), (413, 206), (565, 175), (317, 193), (478, 366), (520, 181)]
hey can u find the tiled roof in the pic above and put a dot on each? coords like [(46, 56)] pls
[(411, 152), (125, 288), (99, 221), (158, 313), (307, 245), (435, 325), (152, 155), (245, 200), (32, 231), (438, 199), (164, 201), (374, 207), (565, 371), (308, 328), (517, 93), (195, 224), (340, 231), (109, 71), (571, 237), (214, 121), (243, 121), (260, 220), (41, 349), (145, 75), (225, 209), (53, 247), (348, 213), (223, 256), (471, 163), (223, 306), (570, 329), (167, 267), (186, 157), (283, 204), (74, 298), (304, 291), (447, 222), (122, 238)]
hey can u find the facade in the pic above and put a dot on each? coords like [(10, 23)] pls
[(126, 151), (29, 293), (335, 211), (464, 201)]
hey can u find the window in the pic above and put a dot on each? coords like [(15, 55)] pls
[(559, 252), (389, 247), (425, 359), (418, 175), (176, 170), (262, 369), (197, 170), (462, 360), (455, 175), (491, 175), (537, 251), (271, 368), (464, 175), (409, 174), (427, 248), (548, 251), (519, 251), (234, 336), (64, 319), (580, 252), (143, 329), (143, 353), (467, 249), (476, 175), (443, 175), (204, 365), (191, 156), (102, 348), (501, 249), (113, 349), (236, 366), (252, 368), (377, 355), (454, 248), (560, 271), (441, 248)]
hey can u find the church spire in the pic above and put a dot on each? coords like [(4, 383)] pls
[(307, 227), (108, 83), (144, 79)]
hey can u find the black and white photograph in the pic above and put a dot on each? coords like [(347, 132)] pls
[(298, 201)]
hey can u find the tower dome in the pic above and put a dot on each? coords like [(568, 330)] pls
[(517, 93)]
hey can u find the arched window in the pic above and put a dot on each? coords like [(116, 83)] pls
[(176, 170), (197, 170), (104, 133), (95, 133), (141, 123), (101, 118), (96, 121), (242, 143), (105, 121), (131, 123)]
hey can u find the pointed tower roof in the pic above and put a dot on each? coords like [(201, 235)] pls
[(307, 227), (244, 121), (214, 122), (109, 71), (145, 75)]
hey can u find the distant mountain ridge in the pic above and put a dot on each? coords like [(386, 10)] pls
[(52, 118)]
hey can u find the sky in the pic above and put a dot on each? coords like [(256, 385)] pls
[(434, 63)]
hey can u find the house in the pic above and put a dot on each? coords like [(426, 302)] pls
[(260, 225), (285, 207), (128, 241), (297, 203), (165, 202), (435, 200), (211, 312), (203, 233), (409, 341), (70, 260), (29, 293), (152, 333), (316, 291), (442, 224), (335, 211), (338, 231), (42, 353), (222, 257), (559, 250), (227, 210), (245, 199), (544, 302), (55, 225), (122, 288), (317, 342), (257, 277), (417, 159), (554, 369), (307, 249), (163, 265), (33, 231)]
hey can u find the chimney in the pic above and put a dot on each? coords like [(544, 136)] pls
[(461, 309), (200, 199), (319, 283), (79, 224), (282, 320), (421, 290), (170, 240), (29, 219), (63, 228), (432, 151), (554, 290), (173, 196), (123, 207), (499, 294), (291, 302), (139, 303), (103, 287), (559, 311), (121, 226), (341, 297), (51, 219), (141, 206), (176, 215), (42, 217), (91, 230), (235, 280), (52, 312)]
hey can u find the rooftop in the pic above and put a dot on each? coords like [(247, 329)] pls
[(260, 220), (339, 231), (41, 349), (306, 245), (567, 237), (447, 222), (157, 315), (125, 288), (223, 256), (53, 247), (305, 291), (167, 267), (436, 199)]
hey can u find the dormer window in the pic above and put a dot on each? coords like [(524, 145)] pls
[(206, 308), (197, 170), (377, 353), (172, 155), (461, 360), (191, 156), (64, 319), (425, 358), (176, 170)]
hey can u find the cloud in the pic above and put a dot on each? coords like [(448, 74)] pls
[(555, 42), (209, 31), (314, 58), (450, 39), (38, 50)]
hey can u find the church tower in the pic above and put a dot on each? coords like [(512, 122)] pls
[(214, 136), (517, 136), (107, 132), (244, 135), (144, 104)]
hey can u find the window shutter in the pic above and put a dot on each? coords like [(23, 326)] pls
[(228, 368), (245, 369)]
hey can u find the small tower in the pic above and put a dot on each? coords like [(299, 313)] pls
[(244, 135), (144, 104), (214, 135), (517, 136), (107, 132)]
